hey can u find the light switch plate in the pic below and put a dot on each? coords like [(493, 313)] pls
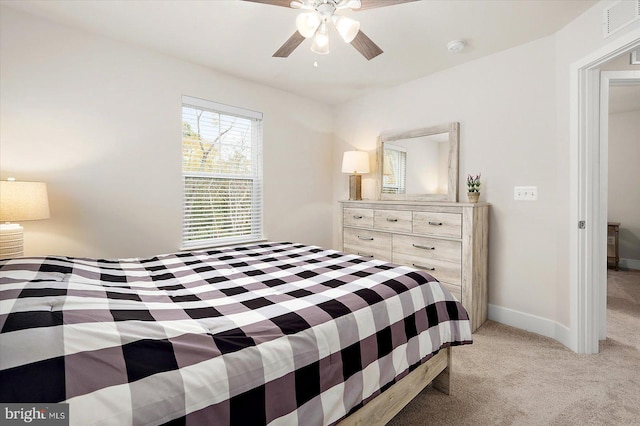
[(525, 193)]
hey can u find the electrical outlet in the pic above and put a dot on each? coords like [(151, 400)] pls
[(525, 193)]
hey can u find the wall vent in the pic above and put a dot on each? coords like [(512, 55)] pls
[(619, 15)]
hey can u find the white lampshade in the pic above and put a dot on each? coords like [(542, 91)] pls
[(23, 201), (19, 201), (307, 23), (321, 40), (347, 27), (355, 162)]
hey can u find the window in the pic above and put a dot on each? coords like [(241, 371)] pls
[(394, 174), (221, 173)]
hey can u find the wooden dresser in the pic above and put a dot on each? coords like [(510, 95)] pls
[(448, 240)]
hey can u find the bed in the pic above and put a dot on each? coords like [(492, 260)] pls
[(271, 333)]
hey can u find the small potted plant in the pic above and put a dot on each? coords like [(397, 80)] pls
[(473, 187)]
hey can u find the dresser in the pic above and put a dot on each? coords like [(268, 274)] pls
[(447, 240)]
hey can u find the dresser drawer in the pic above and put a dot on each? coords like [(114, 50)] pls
[(358, 217), (392, 220), (431, 248), (443, 271), (368, 243), (440, 224)]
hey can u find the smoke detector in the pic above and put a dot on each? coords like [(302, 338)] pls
[(455, 46)]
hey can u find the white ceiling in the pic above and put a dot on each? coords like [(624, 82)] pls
[(239, 37)]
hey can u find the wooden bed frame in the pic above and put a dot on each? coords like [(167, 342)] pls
[(385, 406)]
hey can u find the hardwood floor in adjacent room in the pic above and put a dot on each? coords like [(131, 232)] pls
[(513, 377)]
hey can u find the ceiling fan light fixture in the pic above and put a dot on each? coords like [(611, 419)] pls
[(307, 23), (350, 4), (321, 41), (347, 28), (315, 16)]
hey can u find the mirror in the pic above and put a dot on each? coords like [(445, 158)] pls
[(420, 164)]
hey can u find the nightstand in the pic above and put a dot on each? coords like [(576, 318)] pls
[(613, 253)]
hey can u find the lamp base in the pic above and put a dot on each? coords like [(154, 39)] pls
[(355, 187), (11, 240)]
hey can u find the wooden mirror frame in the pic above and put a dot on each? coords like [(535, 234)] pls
[(454, 141)]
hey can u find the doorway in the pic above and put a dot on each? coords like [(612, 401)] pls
[(589, 200), (624, 85)]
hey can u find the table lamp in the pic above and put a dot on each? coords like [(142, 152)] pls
[(355, 162), (19, 201)]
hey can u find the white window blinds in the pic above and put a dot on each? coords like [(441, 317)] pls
[(394, 173), (221, 173)]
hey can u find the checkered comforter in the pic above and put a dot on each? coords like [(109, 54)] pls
[(276, 333)]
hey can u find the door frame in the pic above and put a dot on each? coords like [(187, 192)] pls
[(588, 201), (607, 79)]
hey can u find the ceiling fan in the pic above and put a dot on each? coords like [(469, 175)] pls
[(316, 17)]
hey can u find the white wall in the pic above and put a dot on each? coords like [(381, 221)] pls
[(624, 181), (100, 122), (505, 106)]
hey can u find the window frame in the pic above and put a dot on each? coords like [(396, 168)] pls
[(256, 176)]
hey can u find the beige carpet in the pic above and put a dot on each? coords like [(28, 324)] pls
[(512, 377)]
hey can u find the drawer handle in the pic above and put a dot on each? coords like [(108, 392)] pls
[(423, 247), (357, 217), (365, 255), (424, 267), (391, 220), (365, 238), (435, 223)]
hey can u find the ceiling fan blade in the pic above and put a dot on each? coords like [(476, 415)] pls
[(289, 45), (372, 4), (283, 3), (365, 46)]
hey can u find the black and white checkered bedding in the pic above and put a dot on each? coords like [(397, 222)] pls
[(273, 333)]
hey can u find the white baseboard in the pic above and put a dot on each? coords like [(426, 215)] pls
[(630, 263), (532, 323)]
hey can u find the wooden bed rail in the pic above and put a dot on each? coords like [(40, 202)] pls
[(389, 403)]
